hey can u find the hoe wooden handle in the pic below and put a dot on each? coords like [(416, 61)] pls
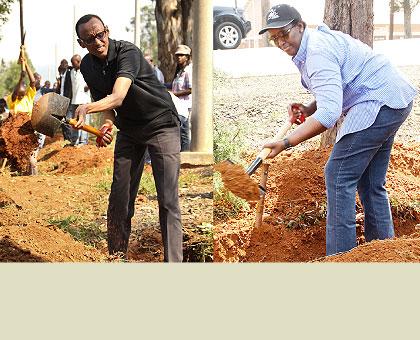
[(278, 137), (86, 128)]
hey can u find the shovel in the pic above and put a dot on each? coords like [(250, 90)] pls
[(49, 113), (238, 181)]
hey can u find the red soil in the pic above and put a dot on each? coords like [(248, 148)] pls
[(293, 229)]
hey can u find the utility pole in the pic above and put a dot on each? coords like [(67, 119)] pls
[(74, 31), (137, 24)]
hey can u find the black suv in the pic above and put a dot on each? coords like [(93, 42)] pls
[(229, 27)]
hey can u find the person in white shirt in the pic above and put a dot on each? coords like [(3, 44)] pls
[(80, 95)]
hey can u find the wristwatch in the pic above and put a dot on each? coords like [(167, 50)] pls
[(286, 143)]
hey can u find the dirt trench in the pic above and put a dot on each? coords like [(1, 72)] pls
[(293, 228)]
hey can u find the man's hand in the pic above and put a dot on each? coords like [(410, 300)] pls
[(106, 139), (80, 115)]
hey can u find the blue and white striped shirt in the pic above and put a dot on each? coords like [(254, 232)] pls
[(346, 76)]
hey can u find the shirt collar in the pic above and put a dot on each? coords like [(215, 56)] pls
[(300, 56)]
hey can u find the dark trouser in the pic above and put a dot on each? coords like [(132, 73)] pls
[(69, 133), (164, 151)]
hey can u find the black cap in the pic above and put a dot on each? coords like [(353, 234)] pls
[(280, 16)]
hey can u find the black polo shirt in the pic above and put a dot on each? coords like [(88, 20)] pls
[(147, 103)]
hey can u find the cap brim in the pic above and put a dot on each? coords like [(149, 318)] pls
[(275, 25)]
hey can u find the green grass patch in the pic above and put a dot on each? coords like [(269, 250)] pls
[(187, 179), (229, 141), (225, 204), (147, 184), (87, 232), (405, 209)]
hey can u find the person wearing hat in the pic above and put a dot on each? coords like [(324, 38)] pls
[(346, 78), (181, 87), (121, 79)]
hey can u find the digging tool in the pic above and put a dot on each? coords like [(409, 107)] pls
[(238, 181), (22, 35), (49, 113)]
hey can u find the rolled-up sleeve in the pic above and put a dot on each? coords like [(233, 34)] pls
[(326, 86)]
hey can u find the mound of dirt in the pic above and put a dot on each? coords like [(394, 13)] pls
[(17, 141), (41, 244), (295, 210), (406, 249), (56, 159)]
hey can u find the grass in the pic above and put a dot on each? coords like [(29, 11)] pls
[(226, 205), (228, 144), (309, 218), (405, 209), (198, 243), (87, 232), (147, 184), (229, 141), (187, 179)]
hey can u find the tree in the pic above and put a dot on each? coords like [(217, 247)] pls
[(148, 31), (9, 76), (391, 19), (407, 6), (5, 8), (174, 27), (354, 17)]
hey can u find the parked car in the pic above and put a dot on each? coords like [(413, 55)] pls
[(229, 27)]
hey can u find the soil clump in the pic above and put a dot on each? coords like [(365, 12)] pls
[(17, 141)]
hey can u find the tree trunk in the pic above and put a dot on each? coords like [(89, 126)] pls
[(391, 19), (174, 27), (407, 19), (354, 17), (265, 7)]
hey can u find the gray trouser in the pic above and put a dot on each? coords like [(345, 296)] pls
[(164, 149)]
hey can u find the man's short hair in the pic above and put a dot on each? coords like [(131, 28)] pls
[(84, 19)]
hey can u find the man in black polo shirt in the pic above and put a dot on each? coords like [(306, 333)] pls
[(121, 79)]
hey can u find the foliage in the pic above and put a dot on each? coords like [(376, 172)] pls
[(9, 75), (229, 140), (5, 7), (399, 4), (228, 143), (148, 31), (86, 232), (226, 205), (147, 184), (187, 179), (405, 209), (198, 242)]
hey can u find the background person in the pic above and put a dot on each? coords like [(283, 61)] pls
[(22, 97), (182, 88), (345, 75), (79, 95), (64, 88), (158, 72)]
